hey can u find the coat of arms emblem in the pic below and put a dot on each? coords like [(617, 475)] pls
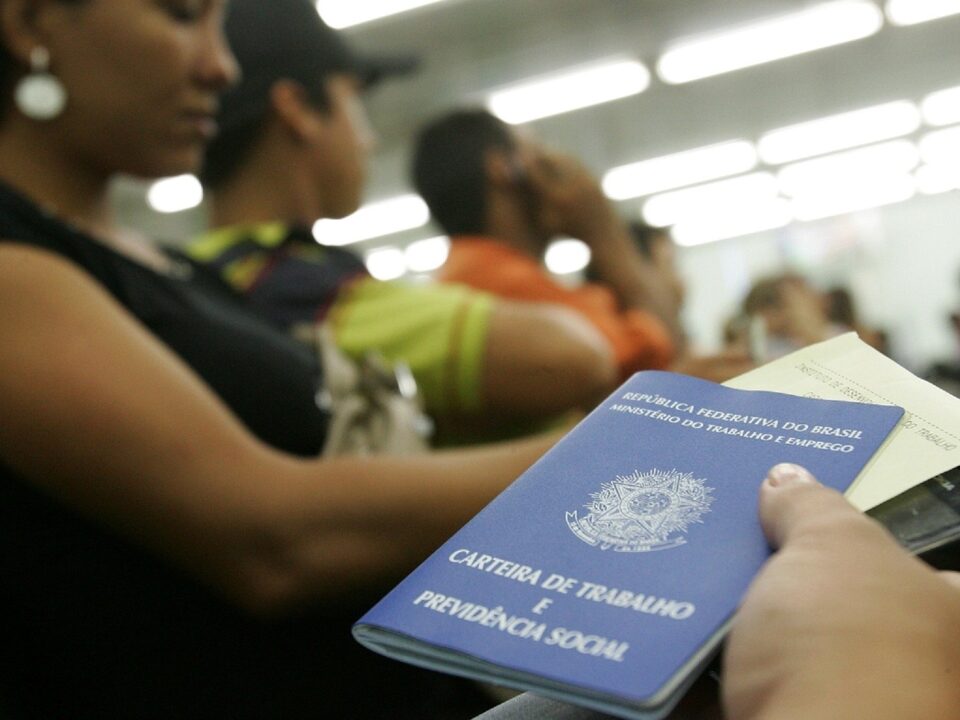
[(642, 511)]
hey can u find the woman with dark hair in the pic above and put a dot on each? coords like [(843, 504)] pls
[(161, 499)]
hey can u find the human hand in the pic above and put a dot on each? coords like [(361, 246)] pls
[(571, 199), (841, 622)]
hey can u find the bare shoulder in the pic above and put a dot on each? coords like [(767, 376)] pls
[(34, 280)]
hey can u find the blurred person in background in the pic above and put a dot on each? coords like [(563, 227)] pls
[(791, 314), (292, 149), (945, 372), (502, 197), (842, 311)]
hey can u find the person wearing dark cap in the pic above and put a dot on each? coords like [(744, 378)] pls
[(291, 149)]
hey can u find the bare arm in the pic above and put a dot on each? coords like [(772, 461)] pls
[(541, 360), (102, 417)]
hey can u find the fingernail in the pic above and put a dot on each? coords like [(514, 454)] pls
[(788, 474)]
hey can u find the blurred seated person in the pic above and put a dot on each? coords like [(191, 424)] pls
[(502, 198), (171, 543), (785, 314), (945, 372), (292, 148), (842, 311)]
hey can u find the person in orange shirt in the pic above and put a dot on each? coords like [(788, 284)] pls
[(502, 198)]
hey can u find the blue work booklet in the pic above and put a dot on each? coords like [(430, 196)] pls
[(606, 575)]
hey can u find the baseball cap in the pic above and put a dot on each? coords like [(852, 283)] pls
[(287, 39)]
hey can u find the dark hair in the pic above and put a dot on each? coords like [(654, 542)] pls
[(841, 308), (11, 70), (644, 236), (767, 293), (242, 124), (449, 171), (281, 40)]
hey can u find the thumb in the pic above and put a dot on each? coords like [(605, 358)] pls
[(792, 503)]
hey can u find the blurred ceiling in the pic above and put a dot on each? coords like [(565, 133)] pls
[(469, 47), (472, 46)]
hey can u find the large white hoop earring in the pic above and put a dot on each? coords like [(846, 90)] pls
[(40, 95)]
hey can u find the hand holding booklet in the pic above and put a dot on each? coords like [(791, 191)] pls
[(607, 574)]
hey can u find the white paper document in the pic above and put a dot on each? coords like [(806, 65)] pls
[(927, 441)]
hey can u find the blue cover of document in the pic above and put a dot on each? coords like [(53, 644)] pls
[(606, 574)]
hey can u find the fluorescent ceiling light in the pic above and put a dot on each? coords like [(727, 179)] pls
[(672, 207), (855, 197), (566, 256), (174, 194), (941, 146), (934, 179), (345, 13), (837, 173), (735, 223), (911, 12), (942, 107), (426, 255), (386, 263), (821, 26), (684, 168), (380, 218), (838, 132), (571, 90)]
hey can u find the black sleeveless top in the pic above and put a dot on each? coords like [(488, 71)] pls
[(91, 626)]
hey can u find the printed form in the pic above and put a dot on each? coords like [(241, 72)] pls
[(927, 441)]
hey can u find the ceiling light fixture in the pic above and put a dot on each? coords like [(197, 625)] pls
[(385, 217), (566, 256), (174, 194), (341, 14), (684, 168), (386, 263), (942, 107), (855, 197), (934, 179), (840, 172), (571, 90), (679, 205), (734, 223), (838, 132), (818, 27), (941, 147), (911, 12), (426, 255)]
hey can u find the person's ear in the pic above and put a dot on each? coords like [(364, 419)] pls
[(291, 105)]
